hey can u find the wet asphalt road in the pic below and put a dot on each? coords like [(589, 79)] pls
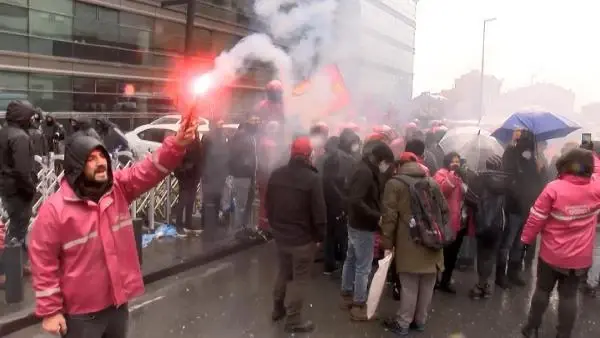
[(231, 298)]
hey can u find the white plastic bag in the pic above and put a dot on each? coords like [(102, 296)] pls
[(378, 284)]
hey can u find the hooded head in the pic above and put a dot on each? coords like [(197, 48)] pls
[(50, 120), (19, 114), (87, 167), (349, 141), (578, 162), (274, 91)]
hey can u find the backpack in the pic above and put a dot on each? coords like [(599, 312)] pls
[(428, 226), (489, 216)]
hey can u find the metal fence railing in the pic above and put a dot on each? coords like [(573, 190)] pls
[(154, 205)]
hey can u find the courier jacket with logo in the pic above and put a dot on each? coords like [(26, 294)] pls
[(83, 254)]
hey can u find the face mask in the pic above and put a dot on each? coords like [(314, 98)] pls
[(526, 154), (355, 147), (383, 167)]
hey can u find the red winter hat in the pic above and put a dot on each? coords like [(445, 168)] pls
[(301, 147)]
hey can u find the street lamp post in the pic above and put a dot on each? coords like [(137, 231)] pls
[(481, 105)]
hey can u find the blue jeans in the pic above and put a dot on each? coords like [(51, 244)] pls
[(357, 266)]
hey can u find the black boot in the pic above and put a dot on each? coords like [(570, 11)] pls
[(278, 311), (501, 279), (303, 327), (515, 274)]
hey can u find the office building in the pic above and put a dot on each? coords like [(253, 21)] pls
[(111, 55)]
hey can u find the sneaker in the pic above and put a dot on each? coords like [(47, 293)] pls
[(394, 327), (358, 312), (304, 327), (181, 233), (193, 232), (481, 291), (347, 300)]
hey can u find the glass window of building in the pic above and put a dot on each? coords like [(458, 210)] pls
[(108, 86), (132, 38), (84, 85), (95, 25), (14, 43), (22, 3), (49, 47), (202, 40), (13, 80), (168, 36), (223, 41), (44, 82), (55, 6), (136, 21), (50, 25), (13, 18)]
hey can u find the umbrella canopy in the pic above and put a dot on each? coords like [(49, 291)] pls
[(544, 125), (473, 144)]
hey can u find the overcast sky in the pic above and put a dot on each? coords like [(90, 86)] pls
[(531, 41)]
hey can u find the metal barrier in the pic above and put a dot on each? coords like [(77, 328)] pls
[(154, 205)]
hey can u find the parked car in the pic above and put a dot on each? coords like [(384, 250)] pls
[(148, 137)]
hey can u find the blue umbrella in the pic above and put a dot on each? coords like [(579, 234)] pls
[(544, 125)]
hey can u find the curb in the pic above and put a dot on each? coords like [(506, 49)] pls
[(25, 318)]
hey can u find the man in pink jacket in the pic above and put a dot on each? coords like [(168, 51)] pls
[(85, 266)]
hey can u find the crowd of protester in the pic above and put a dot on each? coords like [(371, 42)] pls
[(512, 204)]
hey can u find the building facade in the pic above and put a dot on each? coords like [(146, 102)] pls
[(376, 47), (112, 55)]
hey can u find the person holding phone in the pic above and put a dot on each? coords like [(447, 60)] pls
[(451, 180)]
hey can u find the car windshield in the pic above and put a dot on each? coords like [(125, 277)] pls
[(166, 120)]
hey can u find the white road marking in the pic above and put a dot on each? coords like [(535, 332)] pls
[(148, 302)]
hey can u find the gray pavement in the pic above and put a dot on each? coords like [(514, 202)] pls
[(231, 298)]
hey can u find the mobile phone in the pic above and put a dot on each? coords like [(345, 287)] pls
[(586, 138)]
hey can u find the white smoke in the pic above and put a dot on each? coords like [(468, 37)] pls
[(304, 26)]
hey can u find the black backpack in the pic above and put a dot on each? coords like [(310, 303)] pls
[(428, 226), (489, 217)]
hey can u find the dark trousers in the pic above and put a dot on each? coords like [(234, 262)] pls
[(487, 253), (336, 240), (568, 282), (295, 265), (19, 214), (450, 255), (511, 249), (185, 206), (212, 193), (108, 323)]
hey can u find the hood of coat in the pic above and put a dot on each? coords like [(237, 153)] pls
[(77, 151), (347, 139), (19, 114), (412, 169), (332, 145)]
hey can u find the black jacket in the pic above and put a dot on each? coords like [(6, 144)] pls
[(295, 204), (215, 157), (242, 151), (77, 151), (38, 141), (364, 196), (190, 168), (53, 132), (525, 183), (17, 177)]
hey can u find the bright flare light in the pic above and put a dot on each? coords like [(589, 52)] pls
[(201, 84)]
